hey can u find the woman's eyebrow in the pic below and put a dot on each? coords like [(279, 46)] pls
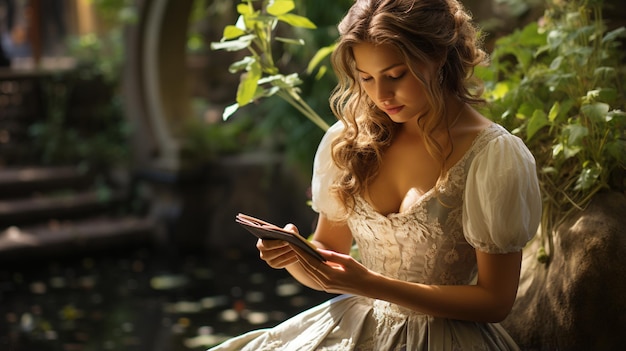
[(384, 69)]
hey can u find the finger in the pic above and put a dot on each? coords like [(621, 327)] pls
[(276, 253), (314, 267), (292, 228), (270, 244), (283, 261), (335, 258)]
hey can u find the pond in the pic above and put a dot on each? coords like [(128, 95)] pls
[(142, 299)]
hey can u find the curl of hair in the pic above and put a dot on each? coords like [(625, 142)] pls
[(436, 31)]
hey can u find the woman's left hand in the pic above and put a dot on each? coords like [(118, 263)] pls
[(340, 274)]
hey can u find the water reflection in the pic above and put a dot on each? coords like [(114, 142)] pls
[(142, 300)]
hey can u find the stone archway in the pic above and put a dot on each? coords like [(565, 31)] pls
[(155, 85)]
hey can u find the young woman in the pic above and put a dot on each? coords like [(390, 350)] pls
[(439, 199)]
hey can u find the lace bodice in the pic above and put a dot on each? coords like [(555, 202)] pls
[(433, 241)]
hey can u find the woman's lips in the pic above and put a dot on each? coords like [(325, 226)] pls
[(393, 109)]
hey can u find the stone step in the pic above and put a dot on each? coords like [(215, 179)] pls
[(60, 207), (25, 181), (61, 238)]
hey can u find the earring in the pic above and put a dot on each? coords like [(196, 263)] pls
[(440, 77)]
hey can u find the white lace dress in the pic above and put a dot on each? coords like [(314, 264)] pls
[(489, 202)]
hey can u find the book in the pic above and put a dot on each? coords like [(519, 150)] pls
[(268, 231)]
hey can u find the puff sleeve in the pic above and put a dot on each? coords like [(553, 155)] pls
[(502, 202), (324, 174)]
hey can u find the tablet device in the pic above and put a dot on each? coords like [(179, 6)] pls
[(268, 231)]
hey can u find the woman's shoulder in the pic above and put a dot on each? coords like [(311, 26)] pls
[(496, 138)]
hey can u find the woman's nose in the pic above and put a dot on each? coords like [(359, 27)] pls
[(383, 92)]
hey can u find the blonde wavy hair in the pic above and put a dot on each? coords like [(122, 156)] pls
[(438, 31)]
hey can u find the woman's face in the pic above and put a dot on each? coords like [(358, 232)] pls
[(389, 83)]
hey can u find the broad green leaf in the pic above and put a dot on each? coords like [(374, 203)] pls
[(608, 94), (617, 150), (280, 7), (244, 9), (537, 121), (614, 35), (555, 39), (575, 134), (604, 73), (554, 111), (248, 86), (556, 63), (588, 178), (297, 21), (319, 56), (525, 111), (485, 74), (569, 152), (500, 91), (232, 32), (597, 112), (617, 117), (557, 149)]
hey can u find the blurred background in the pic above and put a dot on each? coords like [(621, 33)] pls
[(120, 181)]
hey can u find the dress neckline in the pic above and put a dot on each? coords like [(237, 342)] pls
[(428, 194)]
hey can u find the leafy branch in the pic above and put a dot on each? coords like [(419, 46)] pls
[(559, 86), (261, 78)]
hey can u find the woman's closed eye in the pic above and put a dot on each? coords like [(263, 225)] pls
[(390, 77), (396, 76)]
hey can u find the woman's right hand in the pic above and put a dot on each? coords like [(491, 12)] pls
[(278, 253)]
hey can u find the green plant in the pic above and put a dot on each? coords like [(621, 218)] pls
[(558, 84), (254, 31), (97, 138), (203, 142)]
